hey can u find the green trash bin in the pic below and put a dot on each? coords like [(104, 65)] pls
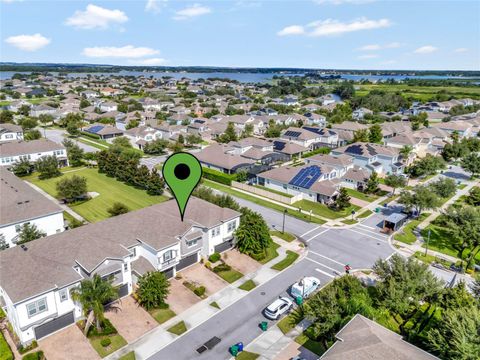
[(377, 210), (234, 350), (299, 300), (264, 325)]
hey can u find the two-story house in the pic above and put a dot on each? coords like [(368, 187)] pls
[(10, 132), (14, 151)]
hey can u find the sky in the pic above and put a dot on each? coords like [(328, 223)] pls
[(322, 34)]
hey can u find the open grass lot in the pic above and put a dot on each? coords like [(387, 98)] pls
[(324, 210), (178, 328), (248, 285), (161, 315), (109, 189), (228, 190), (289, 260), (440, 240), (284, 236), (423, 93), (406, 235), (362, 196), (117, 343)]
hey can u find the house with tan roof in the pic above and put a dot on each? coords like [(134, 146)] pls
[(15, 151), (222, 157), (10, 132), (37, 277)]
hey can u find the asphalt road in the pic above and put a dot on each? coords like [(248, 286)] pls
[(329, 250), (58, 136)]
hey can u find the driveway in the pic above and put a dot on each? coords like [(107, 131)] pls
[(69, 341), (243, 263), (295, 349), (180, 298), (199, 274), (130, 319)]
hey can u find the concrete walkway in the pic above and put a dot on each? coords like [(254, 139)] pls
[(63, 206), (156, 339)]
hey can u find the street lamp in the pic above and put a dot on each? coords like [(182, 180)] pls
[(283, 225)]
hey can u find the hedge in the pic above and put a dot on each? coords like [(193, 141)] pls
[(5, 351), (90, 135), (322, 150), (34, 356), (214, 257), (218, 176)]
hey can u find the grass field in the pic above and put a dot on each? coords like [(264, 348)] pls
[(364, 214), (247, 355), (271, 253), (116, 343), (406, 235), (178, 328), (109, 189), (128, 356), (248, 285), (360, 195), (324, 210), (228, 190), (284, 236), (289, 260), (423, 93), (161, 315)]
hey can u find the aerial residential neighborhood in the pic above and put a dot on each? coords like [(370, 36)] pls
[(331, 208)]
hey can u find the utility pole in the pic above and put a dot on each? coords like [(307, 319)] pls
[(428, 240), (283, 225)]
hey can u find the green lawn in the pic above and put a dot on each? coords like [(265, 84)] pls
[(323, 210), (117, 343), (5, 351), (228, 190), (273, 191), (389, 199), (271, 253), (314, 346), (406, 235), (248, 285), (178, 328), (362, 196), (288, 323), (109, 189), (129, 356), (161, 315), (284, 236), (247, 355), (364, 214), (349, 221), (289, 260), (95, 145), (230, 276)]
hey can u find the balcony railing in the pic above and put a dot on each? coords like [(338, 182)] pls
[(167, 263)]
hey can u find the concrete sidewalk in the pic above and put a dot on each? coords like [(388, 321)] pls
[(156, 339)]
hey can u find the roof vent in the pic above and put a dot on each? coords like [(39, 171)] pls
[(24, 248)]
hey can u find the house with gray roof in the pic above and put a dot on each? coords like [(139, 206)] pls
[(20, 205), (14, 151), (10, 132), (37, 277)]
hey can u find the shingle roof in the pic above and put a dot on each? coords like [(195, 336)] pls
[(15, 148)]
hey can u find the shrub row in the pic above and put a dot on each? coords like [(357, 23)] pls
[(222, 267), (321, 150), (23, 349), (34, 356), (93, 136), (214, 257), (218, 176)]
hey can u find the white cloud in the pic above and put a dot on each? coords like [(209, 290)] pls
[(374, 47), (427, 49), (96, 17), (149, 62), (291, 30), (128, 51), (368, 56), (10, 1), (28, 42), (192, 11), (460, 50), (331, 27), (155, 6)]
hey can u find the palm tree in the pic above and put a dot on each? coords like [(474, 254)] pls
[(93, 294), (405, 152)]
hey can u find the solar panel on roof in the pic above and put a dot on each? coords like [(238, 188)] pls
[(315, 130), (279, 145), (306, 177), (95, 129), (355, 149), (292, 133)]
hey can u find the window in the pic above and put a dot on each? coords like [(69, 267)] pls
[(37, 307), (125, 267), (193, 242), (168, 255), (232, 225), (63, 295), (9, 136), (215, 231)]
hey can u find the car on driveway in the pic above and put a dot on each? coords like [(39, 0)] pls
[(278, 308), (305, 287)]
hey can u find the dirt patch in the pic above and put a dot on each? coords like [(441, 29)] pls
[(180, 298), (130, 319), (199, 274), (241, 262), (69, 341)]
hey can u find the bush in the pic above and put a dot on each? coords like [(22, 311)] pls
[(107, 329), (105, 342), (23, 349), (93, 136), (34, 356), (214, 257), (199, 291), (222, 267), (218, 176), (258, 256)]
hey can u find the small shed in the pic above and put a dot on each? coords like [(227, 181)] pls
[(394, 221)]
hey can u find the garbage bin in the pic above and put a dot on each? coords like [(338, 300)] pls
[(234, 350), (299, 300), (239, 346), (264, 325), (377, 210)]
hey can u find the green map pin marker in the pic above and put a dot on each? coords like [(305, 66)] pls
[(182, 172)]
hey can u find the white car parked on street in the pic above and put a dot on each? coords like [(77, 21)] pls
[(277, 308)]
